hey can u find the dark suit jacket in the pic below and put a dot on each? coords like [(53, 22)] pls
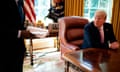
[(92, 36), (13, 48)]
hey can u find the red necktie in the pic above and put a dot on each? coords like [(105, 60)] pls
[(101, 35)]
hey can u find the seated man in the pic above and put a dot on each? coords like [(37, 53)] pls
[(99, 34)]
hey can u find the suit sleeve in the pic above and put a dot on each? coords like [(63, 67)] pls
[(87, 37), (112, 37), (91, 37)]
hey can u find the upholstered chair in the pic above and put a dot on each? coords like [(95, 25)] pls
[(71, 33)]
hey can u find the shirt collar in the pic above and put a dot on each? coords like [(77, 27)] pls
[(101, 28)]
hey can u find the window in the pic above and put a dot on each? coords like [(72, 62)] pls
[(41, 9), (92, 5), (44, 8)]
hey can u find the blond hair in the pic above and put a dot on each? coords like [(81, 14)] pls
[(101, 12)]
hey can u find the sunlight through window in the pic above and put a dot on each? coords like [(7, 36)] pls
[(92, 5)]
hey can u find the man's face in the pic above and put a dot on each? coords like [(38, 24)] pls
[(99, 19)]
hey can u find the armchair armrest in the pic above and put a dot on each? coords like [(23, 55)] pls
[(71, 46), (68, 45)]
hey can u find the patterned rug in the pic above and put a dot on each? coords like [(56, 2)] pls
[(44, 62)]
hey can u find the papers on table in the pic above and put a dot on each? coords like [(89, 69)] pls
[(38, 32)]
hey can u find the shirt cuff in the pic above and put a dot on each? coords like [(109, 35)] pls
[(19, 33)]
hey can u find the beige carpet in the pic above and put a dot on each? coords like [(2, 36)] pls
[(45, 62)]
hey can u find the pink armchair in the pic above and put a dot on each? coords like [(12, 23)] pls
[(71, 33)]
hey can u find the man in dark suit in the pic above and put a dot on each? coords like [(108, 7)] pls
[(93, 37), (12, 38)]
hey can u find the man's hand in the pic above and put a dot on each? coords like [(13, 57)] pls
[(26, 34), (114, 45)]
